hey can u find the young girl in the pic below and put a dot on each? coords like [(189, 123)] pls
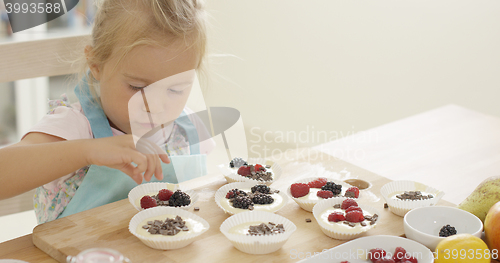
[(79, 155)]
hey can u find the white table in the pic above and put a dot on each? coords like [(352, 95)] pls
[(447, 148)]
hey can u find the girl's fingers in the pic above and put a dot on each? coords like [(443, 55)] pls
[(159, 170), (151, 167), (142, 162), (129, 170), (164, 158)]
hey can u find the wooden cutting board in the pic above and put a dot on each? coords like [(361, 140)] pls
[(107, 226)]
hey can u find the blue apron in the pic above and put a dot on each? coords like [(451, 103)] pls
[(103, 185)]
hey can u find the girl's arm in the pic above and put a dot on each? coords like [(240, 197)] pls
[(41, 158)]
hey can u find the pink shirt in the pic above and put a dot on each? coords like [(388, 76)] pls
[(70, 123)]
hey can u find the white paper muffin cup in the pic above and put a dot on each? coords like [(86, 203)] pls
[(257, 244), (221, 193), (401, 207), (309, 204), (338, 233), (166, 242), (232, 175), (145, 189)]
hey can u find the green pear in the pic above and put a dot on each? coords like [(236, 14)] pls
[(482, 198)]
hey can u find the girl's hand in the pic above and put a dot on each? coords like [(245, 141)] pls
[(119, 152)]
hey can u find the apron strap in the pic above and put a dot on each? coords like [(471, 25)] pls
[(93, 111), (192, 134)]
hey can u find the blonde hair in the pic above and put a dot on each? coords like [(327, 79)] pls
[(130, 23)]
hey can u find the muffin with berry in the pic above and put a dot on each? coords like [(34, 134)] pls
[(239, 197), (150, 195), (252, 170), (343, 218), (309, 191)]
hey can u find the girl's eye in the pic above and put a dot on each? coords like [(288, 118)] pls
[(135, 88), (175, 91)]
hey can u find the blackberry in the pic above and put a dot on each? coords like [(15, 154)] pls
[(331, 186), (235, 192), (447, 231), (243, 202), (237, 162), (261, 188), (262, 199), (179, 198)]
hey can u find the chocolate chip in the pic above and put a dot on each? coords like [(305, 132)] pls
[(266, 229), (196, 208), (385, 205), (308, 220), (350, 194), (363, 224), (169, 227), (413, 195), (336, 206)]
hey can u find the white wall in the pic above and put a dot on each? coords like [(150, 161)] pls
[(347, 66)]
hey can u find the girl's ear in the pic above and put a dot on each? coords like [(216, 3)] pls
[(94, 68)]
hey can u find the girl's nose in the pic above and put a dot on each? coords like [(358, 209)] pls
[(153, 105)]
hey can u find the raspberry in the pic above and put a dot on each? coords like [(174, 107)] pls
[(354, 190), (164, 194), (336, 217), (318, 183), (399, 254), (324, 194), (348, 202), (244, 170), (354, 208), (148, 202), (299, 190), (259, 167), (354, 216), (376, 253), (411, 259)]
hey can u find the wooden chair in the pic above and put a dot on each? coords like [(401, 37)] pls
[(31, 59)]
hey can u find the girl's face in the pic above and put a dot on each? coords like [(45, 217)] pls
[(144, 65)]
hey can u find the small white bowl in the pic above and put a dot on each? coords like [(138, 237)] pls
[(401, 207), (166, 242), (232, 175), (423, 224), (257, 244), (307, 204), (339, 233), (145, 189), (221, 193)]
